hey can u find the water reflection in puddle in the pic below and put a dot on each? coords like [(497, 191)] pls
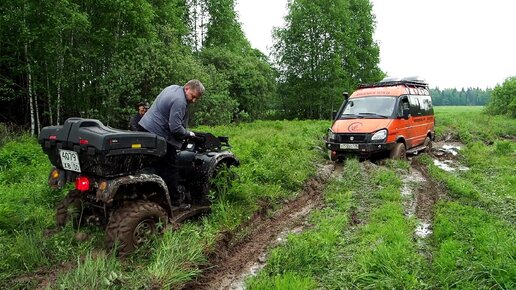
[(423, 230)]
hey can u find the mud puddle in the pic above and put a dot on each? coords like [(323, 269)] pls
[(234, 261), (420, 194), (446, 156)]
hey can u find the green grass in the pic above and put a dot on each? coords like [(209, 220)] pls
[(276, 159), (474, 240), (473, 245), (379, 253), (469, 124)]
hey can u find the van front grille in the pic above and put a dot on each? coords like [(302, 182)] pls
[(351, 138)]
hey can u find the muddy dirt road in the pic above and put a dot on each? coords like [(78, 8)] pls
[(237, 259)]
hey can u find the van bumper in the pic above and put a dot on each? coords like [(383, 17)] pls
[(364, 149)]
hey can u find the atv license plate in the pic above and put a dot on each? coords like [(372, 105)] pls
[(70, 160), (348, 146)]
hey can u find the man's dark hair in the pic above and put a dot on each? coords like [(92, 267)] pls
[(144, 104)]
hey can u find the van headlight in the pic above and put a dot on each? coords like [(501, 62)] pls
[(380, 135), (331, 135)]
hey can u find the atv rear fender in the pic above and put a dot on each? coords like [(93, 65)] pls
[(136, 186)]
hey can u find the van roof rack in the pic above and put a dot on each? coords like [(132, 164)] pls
[(389, 83)]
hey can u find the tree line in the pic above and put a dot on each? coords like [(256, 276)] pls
[(463, 97), (99, 58)]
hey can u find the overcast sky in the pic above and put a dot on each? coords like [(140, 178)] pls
[(450, 43)]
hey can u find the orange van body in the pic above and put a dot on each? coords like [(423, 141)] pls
[(392, 117)]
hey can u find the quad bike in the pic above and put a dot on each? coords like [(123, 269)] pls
[(116, 182)]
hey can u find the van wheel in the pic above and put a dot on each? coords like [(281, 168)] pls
[(428, 144), (399, 151), (134, 224)]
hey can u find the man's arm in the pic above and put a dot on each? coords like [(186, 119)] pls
[(175, 122)]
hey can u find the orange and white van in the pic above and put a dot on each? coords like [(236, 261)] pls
[(394, 116)]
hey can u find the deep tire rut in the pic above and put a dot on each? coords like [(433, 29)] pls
[(235, 256)]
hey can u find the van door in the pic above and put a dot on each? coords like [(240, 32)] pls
[(418, 124), (400, 126)]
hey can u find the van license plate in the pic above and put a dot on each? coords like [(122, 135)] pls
[(70, 160), (348, 146)]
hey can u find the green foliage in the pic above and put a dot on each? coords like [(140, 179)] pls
[(470, 124), (276, 159), (474, 249), (97, 59), (503, 101), (378, 255), (8, 132), (474, 233), (216, 110), (95, 272), (286, 281), (325, 48), (250, 79), (223, 29), (173, 260)]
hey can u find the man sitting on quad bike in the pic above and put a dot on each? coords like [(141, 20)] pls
[(124, 180), (167, 117)]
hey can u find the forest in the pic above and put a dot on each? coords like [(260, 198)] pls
[(97, 59)]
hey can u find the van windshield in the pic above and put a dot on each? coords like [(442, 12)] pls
[(369, 107)]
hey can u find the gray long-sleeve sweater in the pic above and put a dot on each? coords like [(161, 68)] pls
[(168, 116)]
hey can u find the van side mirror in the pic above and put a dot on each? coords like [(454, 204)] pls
[(406, 113), (333, 115), (345, 95)]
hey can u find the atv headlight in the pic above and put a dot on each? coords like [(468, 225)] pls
[(331, 135), (380, 135)]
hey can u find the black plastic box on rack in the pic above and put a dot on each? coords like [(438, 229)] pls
[(102, 150)]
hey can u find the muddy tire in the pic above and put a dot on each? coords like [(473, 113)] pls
[(69, 209), (399, 151), (133, 224), (428, 144)]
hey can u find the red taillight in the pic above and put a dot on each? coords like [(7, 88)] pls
[(83, 142), (82, 183), (53, 137)]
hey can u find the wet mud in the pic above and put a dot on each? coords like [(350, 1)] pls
[(236, 259)]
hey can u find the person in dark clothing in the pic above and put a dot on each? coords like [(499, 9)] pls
[(133, 123), (168, 117)]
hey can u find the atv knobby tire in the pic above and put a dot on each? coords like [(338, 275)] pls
[(69, 208), (399, 151), (133, 224)]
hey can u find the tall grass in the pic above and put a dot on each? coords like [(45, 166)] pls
[(474, 233), (335, 254), (469, 124), (276, 158)]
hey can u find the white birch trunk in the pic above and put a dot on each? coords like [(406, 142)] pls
[(50, 114), (29, 89)]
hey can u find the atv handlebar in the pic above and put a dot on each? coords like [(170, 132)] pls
[(206, 142)]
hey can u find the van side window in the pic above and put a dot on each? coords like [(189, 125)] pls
[(415, 109), (426, 105), (404, 104)]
